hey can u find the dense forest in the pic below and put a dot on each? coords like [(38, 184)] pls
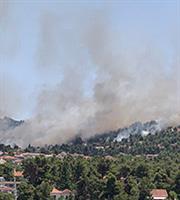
[(117, 178)]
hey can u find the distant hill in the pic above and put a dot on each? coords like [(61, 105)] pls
[(137, 128), (8, 123)]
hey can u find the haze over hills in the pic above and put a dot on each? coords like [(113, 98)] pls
[(7, 123), (136, 139), (154, 142)]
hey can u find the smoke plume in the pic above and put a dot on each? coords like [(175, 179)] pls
[(102, 83)]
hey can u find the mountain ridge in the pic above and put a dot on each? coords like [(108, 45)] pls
[(8, 123)]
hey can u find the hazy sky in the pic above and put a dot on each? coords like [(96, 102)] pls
[(23, 47)]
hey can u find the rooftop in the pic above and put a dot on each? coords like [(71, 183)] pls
[(159, 193), (18, 173), (64, 192)]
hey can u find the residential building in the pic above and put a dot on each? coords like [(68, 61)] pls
[(159, 194), (58, 193)]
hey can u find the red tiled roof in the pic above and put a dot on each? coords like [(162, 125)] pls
[(159, 193), (56, 191), (18, 173), (64, 192)]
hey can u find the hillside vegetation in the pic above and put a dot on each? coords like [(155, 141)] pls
[(165, 141), (100, 168)]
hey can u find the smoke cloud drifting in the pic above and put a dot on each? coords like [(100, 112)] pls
[(105, 82)]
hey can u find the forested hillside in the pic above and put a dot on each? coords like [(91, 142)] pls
[(164, 141), (100, 168)]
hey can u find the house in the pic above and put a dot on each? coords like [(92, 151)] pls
[(17, 173), (5, 186), (2, 179), (30, 155), (159, 194), (151, 156), (6, 189), (8, 158), (58, 193)]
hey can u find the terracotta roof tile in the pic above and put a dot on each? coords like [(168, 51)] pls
[(64, 192), (56, 191), (18, 173), (159, 193)]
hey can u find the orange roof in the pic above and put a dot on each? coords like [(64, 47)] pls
[(56, 191), (159, 193), (18, 173)]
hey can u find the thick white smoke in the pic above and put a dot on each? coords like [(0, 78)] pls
[(103, 84)]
